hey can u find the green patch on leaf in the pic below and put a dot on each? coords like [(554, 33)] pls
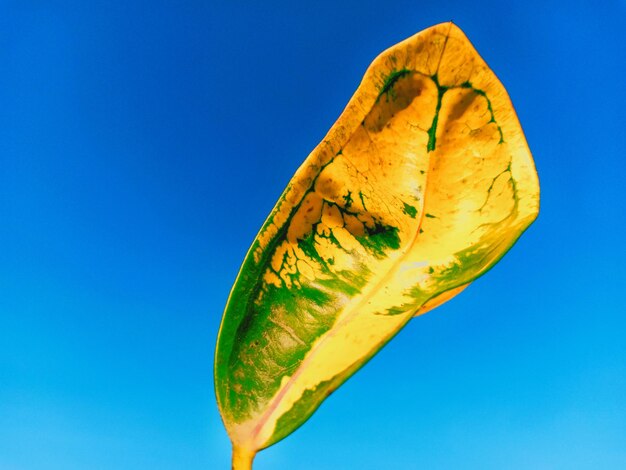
[(410, 210), (379, 239)]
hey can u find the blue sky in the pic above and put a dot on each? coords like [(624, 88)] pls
[(142, 144)]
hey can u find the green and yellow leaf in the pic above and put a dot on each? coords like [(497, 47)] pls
[(421, 186)]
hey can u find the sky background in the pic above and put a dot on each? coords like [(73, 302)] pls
[(142, 145)]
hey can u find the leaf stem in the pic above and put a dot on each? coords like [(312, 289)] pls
[(242, 458)]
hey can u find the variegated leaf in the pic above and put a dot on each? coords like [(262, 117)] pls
[(422, 184)]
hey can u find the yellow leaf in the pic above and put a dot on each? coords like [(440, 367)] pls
[(421, 186)]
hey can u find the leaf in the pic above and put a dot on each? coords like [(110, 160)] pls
[(421, 186)]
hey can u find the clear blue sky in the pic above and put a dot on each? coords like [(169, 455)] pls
[(142, 144)]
